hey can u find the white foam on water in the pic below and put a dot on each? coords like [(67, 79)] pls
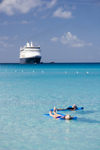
[(77, 72), (87, 72)]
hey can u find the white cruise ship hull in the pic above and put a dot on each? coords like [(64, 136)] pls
[(31, 60)]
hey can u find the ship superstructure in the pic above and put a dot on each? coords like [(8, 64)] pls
[(30, 54)]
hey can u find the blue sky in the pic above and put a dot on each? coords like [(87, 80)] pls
[(66, 30)]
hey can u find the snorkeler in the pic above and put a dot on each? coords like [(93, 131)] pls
[(74, 107), (57, 116)]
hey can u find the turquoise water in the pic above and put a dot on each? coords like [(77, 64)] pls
[(29, 91)]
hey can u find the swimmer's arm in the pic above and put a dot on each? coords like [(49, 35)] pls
[(54, 113), (50, 113)]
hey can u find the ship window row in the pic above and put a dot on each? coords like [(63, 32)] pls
[(30, 50)]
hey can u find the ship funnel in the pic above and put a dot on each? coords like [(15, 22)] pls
[(31, 44), (28, 44)]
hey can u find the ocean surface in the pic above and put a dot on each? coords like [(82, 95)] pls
[(27, 92)]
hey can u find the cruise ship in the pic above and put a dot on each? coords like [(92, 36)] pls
[(30, 54)]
